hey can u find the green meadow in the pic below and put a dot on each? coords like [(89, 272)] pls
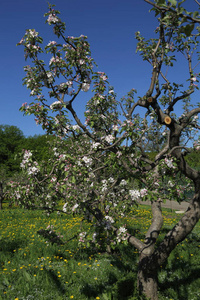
[(40, 258)]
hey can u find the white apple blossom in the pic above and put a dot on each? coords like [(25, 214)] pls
[(65, 207), (85, 87), (169, 163), (87, 161), (135, 194), (109, 138), (52, 19), (32, 33), (75, 207), (110, 219), (75, 127), (52, 43), (123, 182), (33, 170), (69, 83), (95, 145), (81, 61), (56, 104), (49, 77)]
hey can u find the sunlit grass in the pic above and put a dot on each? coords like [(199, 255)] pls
[(32, 266)]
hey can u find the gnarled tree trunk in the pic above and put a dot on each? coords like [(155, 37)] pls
[(147, 278), (1, 196), (151, 259)]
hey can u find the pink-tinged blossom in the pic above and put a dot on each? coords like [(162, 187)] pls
[(52, 43), (81, 61), (32, 33), (52, 19), (27, 155), (75, 207), (17, 195), (104, 77), (53, 179), (33, 170), (196, 146), (21, 41), (82, 235), (118, 154), (169, 163), (85, 87), (55, 60), (143, 192), (122, 234)]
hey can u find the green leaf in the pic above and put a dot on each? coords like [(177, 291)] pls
[(27, 276), (160, 2), (188, 29), (195, 14), (173, 2)]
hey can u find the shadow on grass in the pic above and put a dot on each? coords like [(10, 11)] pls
[(54, 278), (51, 236), (183, 272), (117, 289), (114, 287), (8, 249), (180, 286)]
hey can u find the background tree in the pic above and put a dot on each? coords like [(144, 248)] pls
[(11, 138), (119, 146)]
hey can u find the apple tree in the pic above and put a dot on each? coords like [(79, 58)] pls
[(107, 167)]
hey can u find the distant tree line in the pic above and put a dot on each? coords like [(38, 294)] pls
[(12, 144)]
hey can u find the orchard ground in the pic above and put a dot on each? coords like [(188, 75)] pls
[(40, 258)]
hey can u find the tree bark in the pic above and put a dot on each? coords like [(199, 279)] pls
[(151, 259), (147, 280), (1, 196)]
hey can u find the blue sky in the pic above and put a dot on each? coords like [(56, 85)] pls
[(110, 26)]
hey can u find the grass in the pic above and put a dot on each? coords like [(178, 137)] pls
[(37, 265)]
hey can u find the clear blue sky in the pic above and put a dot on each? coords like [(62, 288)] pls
[(110, 26)]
